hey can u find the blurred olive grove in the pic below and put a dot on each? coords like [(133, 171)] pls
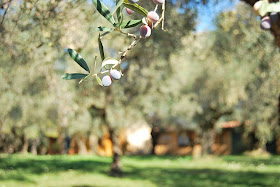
[(178, 78)]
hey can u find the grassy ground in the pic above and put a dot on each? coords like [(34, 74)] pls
[(146, 171)]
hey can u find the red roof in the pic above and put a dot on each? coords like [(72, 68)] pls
[(230, 124)]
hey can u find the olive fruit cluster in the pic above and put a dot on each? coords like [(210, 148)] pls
[(107, 79), (152, 17), (268, 20), (146, 28)]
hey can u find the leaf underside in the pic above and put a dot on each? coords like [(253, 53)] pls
[(268, 8), (98, 80)]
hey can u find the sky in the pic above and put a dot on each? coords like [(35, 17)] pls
[(208, 13)]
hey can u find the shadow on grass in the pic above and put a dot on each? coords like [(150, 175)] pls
[(35, 166), (247, 160), (202, 177), (157, 157), (19, 169)]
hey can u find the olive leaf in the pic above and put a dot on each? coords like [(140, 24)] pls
[(69, 76), (108, 63), (118, 5), (136, 8), (103, 10), (101, 49), (269, 7), (101, 29), (130, 23), (98, 80), (77, 58)]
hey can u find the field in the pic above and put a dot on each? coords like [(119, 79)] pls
[(148, 171)]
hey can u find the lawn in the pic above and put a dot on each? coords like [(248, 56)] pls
[(146, 171)]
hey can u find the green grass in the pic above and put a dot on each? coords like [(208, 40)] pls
[(89, 171)]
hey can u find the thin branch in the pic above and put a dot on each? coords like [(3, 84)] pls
[(127, 34), (5, 13), (133, 44), (161, 20), (156, 8)]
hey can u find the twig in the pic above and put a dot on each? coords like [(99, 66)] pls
[(133, 44), (161, 20), (84, 78), (4, 15), (127, 34), (156, 8)]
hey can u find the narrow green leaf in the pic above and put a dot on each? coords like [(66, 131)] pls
[(120, 19), (119, 11), (98, 80), (94, 63), (130, 23), (119, 3), (105, 33), (136, 8), (69, 76), (75, 56), (101, 29), (101, 50), (103, 10), (269, 7)]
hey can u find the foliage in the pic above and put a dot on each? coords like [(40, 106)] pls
[(177, 79)]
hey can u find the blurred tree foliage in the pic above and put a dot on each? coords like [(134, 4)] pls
[(35, 101), (178, 78)]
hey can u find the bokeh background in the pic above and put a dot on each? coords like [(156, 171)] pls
[(208, 86)]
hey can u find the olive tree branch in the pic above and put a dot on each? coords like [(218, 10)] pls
[(161, 20), (5, 13), (127, 34)]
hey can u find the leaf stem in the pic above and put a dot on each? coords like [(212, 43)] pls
[(127, 34)]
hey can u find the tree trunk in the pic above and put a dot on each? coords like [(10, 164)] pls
[(117, 153), (155, 135), (60, 140), (279, 109), (207, 141), (34, 146), (25, 144), (81, 145)]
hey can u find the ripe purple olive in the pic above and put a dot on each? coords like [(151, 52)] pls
[(115, 74), (274, 17), (129, 11), (106, 81), (257, 6), (265, 23), (133, 1), (145, 31), (153, 16), (158, 1), (146, 21)]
